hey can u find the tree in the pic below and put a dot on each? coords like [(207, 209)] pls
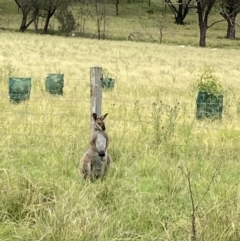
[(50, 6), (116, 6), (181, 10), (203, 10), (33, 7), (83, 13), (101, 8), (229, 11), (157, 23), (28, 7), (67, 21), (41, 14)]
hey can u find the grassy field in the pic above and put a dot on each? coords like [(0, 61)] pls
[(155, 142), (157, 145)]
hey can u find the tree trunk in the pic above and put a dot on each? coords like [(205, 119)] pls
[(203, 11), (231, 28), (185, 10), (36, 20), (45, 29), (47, 21), (180, 11), (202, 22), (179, 18), (25, 11), (99, 29), (23, 23), (116, 4), (203, 31)]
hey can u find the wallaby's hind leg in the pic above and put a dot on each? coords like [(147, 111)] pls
[(85, 166), (106, 167)]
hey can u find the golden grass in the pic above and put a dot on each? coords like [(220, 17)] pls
[(145, 196)]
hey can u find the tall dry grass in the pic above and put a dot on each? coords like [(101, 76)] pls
[(153, 136)]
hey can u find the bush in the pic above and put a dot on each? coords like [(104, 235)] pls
[(67, 21), (208, 82)]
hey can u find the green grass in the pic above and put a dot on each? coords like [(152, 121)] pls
[(8, 7), (145, 196), (153, 132), (134, 19)]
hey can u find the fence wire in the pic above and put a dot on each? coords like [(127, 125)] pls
[(53, 113)]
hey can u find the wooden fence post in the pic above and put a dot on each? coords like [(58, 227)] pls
[(96, 78)]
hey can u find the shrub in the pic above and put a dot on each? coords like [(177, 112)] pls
[(208, 82), (67, 21)]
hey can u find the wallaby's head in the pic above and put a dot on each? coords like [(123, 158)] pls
[(99, 121)]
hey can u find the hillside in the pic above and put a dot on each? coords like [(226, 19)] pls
[(136, 23)]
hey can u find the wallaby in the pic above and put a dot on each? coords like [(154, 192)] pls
[(96, 161)]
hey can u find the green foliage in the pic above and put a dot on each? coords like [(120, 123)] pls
[(208, 82), (67, 21)]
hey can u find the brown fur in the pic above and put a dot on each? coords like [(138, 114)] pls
[(92, 165), (94, 137)]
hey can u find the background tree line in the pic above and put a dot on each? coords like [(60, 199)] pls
[(228, 9), (32, 10)]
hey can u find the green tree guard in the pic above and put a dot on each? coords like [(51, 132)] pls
[(209, 106), (54, 84), (19, 89), (108, 83)]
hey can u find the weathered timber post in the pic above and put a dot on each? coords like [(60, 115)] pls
[(96, 78)]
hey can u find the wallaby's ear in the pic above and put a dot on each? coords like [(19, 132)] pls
[(94, 115), (104, 116)]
